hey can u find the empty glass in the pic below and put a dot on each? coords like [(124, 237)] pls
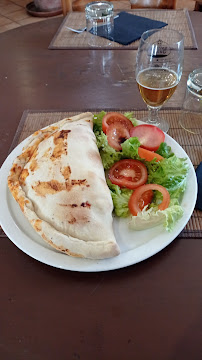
[(191, 116), (99, 22)]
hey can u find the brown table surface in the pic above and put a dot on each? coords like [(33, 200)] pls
[(151, 310)]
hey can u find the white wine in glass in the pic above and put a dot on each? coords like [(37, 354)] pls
[(158, 70)]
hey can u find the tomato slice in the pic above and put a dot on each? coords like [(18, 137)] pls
[(145, 199), (114, 117), (134, 201), (116, 134), (149, 155), (128, 173), (149, 136)]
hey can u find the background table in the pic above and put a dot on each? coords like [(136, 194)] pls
[(151, 310)]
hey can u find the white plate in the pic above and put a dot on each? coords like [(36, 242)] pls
[(135, 246)]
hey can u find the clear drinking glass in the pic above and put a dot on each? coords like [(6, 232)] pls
[(100, 22), (159, 65), (191, 115)]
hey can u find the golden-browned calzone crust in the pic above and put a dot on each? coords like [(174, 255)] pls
[(59, 183)]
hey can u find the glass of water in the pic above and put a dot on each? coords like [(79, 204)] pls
[(100, 23), (191, 116)]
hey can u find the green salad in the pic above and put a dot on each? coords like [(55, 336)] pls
[(170, 172)]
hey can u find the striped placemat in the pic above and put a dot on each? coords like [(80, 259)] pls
[(192, 144), (176, 19)]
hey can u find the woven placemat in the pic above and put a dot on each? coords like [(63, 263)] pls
[(192, 144), (176, 19)]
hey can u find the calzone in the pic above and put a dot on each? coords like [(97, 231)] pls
[(59, 183)]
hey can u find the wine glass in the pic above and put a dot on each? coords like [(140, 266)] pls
[(190, 118), (158, 70)]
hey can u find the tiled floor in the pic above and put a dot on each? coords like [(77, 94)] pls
[(13, 13)]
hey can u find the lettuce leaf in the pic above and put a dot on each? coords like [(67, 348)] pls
[(130, 148), (120, 199), (165, 150), (170, 173), (152, 217), (108, 155), (97, 121), (109, 158)]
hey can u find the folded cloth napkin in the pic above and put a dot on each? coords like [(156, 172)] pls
[(199, 180), (129, 27)]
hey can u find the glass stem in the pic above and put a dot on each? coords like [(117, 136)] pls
[(153, 115)]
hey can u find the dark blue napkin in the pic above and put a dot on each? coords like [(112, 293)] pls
[(199, 180), (129, 27)]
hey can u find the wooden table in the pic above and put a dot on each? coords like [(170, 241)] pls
[(151, 310)]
